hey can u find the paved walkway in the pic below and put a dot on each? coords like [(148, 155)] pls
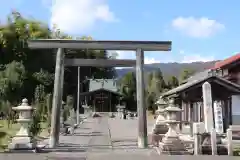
[(101, 139)]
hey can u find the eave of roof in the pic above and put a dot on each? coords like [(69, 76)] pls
[(198, 75), (100, 89), (234, 87), (227, 61)]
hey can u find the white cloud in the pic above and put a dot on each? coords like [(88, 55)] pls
[(196, 58), (149, 60), (188, 58), (79, 16), (197, 27)]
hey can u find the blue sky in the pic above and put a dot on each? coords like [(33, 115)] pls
[(199, 30)]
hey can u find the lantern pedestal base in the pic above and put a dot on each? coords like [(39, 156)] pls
[(22, 143), (160, 129), (172, 145)]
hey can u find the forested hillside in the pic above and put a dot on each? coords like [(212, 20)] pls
[(169, 69)]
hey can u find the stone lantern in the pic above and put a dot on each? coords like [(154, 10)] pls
[(86, 107), (120, 110), (160, 126), (62, 115), (171, 144), (23, 139)]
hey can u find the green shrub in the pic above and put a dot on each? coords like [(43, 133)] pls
[(236, 152), (35, 126)]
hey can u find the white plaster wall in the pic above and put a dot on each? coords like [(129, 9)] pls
[(236, 109)]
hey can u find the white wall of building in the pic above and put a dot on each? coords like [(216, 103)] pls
[(236, 109)]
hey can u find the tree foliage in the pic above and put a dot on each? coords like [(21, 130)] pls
[(186, 73), (25, 72), (156, 86), (172, 82), (128, 89)]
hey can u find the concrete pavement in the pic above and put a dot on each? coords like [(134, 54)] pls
[(102, 138)]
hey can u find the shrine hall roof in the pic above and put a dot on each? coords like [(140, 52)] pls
[(100, 90), (210, 78)]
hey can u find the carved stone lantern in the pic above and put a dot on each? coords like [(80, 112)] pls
[(62, 114), (171, 144), (23, 139), (160, 126), (120, 110)]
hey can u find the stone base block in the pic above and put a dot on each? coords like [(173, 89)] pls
[(22, 143), (160, 129), (172, 146), (154, 139)]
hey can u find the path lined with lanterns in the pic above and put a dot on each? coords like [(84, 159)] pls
[(96, 138), (103, 135)]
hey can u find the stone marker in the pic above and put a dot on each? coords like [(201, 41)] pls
[(229, 142), (213, 141), (207, 105), (218, 117), (23, 140), (197, 131)]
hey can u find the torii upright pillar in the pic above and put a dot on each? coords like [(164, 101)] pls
[(57, 99), (141, 107)]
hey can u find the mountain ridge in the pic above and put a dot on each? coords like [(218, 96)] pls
[(169, 69)]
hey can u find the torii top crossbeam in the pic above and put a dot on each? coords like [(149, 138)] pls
[(101, 45)]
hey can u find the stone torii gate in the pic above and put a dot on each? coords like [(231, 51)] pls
[(138, 46)]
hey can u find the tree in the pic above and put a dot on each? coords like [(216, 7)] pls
[(13, 47), (172, 82), (37, 67), (11, 81), (128, 89), (150, 101), (186, 73), (156, 86), (149, 78), (157, 83)]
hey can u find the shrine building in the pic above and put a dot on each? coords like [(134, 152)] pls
[(102, 96), (224, 78)]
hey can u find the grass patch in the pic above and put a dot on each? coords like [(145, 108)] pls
[(44, 132), (236, 152), (6, 133)]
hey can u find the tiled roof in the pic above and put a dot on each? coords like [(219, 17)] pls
[(217, 65), (100, 90), (198, 75), (227, 61), (234, 87)]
